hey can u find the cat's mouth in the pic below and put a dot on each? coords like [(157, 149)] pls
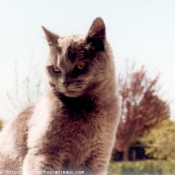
[(72, 93), (74, 90)]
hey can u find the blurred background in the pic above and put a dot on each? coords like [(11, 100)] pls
[(142, 37)]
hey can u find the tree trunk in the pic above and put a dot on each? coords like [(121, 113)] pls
[(126, 154), (134, 155)]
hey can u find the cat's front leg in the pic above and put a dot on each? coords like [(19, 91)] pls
[(39, 164), (97, 163), (33, 164)]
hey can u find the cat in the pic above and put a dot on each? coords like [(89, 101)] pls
[(73, 126)]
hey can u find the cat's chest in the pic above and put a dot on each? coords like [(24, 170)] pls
[(73, 130), (78, 125), (77, 120), (74, 138)]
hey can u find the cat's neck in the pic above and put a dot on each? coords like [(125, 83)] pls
[(84, 102)]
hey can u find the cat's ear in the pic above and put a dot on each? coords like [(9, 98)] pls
[(52, 38), (96, 34)]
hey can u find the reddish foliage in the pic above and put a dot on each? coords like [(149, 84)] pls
[(142, 109)]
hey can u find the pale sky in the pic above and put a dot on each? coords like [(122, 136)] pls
[(139, 30)]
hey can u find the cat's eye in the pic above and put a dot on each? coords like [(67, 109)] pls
[(56, 69), (81, 65)]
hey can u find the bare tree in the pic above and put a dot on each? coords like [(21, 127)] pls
[(26, 90)]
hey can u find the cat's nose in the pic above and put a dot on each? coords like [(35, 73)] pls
[(65, 80), (66, 83)]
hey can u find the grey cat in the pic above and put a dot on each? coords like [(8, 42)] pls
[(73, 126)]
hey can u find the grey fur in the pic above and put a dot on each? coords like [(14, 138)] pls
[(73, 126)]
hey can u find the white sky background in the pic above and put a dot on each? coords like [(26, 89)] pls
[(139, 30)]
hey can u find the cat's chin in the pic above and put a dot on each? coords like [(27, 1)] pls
[(72, 94)]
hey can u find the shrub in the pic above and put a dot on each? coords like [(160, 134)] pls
[(148, 167)]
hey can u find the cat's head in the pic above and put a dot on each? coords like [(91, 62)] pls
[(77, 63)]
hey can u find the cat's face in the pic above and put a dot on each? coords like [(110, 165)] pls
[(76, 63)]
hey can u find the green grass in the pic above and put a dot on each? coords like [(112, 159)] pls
[(148, 167)]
